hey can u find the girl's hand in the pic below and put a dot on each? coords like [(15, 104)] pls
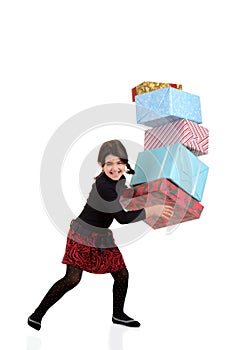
[(164, 211)]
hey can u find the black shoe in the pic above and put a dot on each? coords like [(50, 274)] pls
[(128, 323), (34, 324)]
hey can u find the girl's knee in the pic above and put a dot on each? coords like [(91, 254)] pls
[(73, 276), (74, 281), (124, 273), (121, 274)]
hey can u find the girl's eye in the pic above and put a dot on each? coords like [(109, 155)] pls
[(110, 164)]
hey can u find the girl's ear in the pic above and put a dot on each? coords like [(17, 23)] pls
[(100, 164)]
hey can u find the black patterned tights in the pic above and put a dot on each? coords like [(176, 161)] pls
[(120, 288), (71, 279)]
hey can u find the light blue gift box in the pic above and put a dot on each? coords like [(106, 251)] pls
[(162, 106), (174, 162)]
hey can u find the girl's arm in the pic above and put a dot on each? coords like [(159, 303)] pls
[(111, 202)]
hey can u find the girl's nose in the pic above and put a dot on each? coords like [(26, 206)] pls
[(115, 167)]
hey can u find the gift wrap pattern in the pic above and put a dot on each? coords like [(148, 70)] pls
[(166, 105), (174, 162), (162, 191), (192, 135), (148, 86), (169, 171)]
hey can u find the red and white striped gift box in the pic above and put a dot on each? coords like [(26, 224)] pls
[(191, 134)]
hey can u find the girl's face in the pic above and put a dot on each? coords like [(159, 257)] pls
[(113, 167)]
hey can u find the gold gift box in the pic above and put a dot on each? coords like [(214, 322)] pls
[(148, 86)]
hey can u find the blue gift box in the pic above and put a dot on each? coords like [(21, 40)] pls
[(162, 106), (174, 162)]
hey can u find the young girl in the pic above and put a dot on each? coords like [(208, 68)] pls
[(90, 244)]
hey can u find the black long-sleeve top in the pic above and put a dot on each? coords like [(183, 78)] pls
[(103, 204)]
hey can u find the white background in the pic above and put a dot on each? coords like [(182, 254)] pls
[(59, 58)]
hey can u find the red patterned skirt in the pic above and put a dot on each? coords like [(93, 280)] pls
[(92, 251)]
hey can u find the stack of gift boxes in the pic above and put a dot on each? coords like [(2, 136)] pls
[(169, 170)]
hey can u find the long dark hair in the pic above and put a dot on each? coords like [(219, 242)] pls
[(116, 148)]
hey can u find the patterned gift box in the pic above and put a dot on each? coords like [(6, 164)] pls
[(192, 135), (174, 162), (162, 191), (148, 86), (166, 105)]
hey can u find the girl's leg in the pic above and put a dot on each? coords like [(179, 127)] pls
[(120, 288), (70, 280)]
